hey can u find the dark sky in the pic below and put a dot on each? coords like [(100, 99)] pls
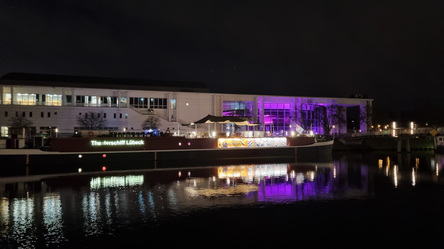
[(391, 51)]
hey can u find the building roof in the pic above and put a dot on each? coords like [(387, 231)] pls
[(101, 82)]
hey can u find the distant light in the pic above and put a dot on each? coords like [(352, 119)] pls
[(80, 156), (103, 168), (104, 155), (80, 170), (180, 144)]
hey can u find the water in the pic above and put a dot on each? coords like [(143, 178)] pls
[(356, 201)]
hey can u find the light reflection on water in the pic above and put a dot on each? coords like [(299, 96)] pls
[(59, 210)]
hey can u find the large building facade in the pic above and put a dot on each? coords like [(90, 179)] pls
[(55, 106)]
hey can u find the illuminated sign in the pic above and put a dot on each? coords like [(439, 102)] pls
[(122, 142), (252, 142)]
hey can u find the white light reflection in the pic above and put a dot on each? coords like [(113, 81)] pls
[(92, 214), (311, 175), (116, 181), (300, 178), (395, 175), (53, 219), (23, 229), (413, 177)]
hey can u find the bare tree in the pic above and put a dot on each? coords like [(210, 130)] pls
[(91, 121), (152, 122), (303, 116), (330, 116), (20, 124), (366, 116)]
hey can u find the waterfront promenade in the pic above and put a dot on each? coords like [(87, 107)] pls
[(26, 152)]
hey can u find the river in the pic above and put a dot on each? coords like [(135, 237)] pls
[(357, 200)]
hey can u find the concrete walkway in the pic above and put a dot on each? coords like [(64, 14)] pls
[(25, 152)]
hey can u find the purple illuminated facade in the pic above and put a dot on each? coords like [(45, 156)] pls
[(285, 116)]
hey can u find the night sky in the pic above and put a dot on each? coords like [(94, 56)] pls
[(389, 51)]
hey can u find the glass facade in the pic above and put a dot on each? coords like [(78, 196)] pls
[(238, 108), (276, 118)]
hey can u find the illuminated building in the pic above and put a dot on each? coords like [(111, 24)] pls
[(54, 103)]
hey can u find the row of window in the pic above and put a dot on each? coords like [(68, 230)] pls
[(103, 115), (145, 103), (23, 114), (48, 114), (102, 101)]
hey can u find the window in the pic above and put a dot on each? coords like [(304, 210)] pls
[(238, 108), (7, 98), (80, 99), (172, 104), (53, 99), (26, 99), (139, 102), (123, 101), (4, 131), (108, 101), (277, 117), (113, 101), (158, 103)]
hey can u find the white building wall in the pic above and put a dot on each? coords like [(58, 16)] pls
[(190, 107)]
